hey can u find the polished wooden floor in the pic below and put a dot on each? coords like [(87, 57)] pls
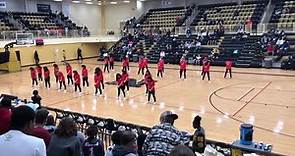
[(263, 97)]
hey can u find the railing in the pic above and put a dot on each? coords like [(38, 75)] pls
[(265, 27), (45, 34), (107, 126)]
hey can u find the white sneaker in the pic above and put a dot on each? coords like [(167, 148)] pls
[(65, 91)]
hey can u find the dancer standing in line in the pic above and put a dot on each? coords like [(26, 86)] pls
[(183, 66), (39, 72), (206, 68), (228, 66), (160, 67), (77, 79), (55, 71), (69, 71), (33, 76), (112, 62), (125, 63), (151, 89), (46, 77), (100, 74), (97, 80), (125, 78), (140, 66), (85, 76), (145, 63), (146, 76), (62, 81), (106, 64), (120, 85)]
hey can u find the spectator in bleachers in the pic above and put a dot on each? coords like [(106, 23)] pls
[(140, 141), (39, 130), (36, 98), (64, 142), (16, 142), (116, 139), (181, 150), (50, 124), (163, 137), (93, 146), (128, 145), (270, 48), (5, 117)]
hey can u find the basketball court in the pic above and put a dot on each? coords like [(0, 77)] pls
[(263, 97)]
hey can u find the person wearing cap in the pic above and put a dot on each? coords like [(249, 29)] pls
[(199, 142), (162, 138)]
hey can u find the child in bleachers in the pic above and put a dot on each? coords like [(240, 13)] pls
[(92, 145)]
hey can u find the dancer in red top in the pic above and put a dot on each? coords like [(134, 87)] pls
[(146, 76), (85, 76), (46, 77), (55, 71), (206, 68), (182, 65), (161, 64), (69, 73), (77, 81), (126, 63), (33, 76), (140, 66), (228, 65), (145, 63), (62, 81), (112, 62), (98, 79), (39, 72), (125, 78), (121, 86), (151, 89), (106, 64)]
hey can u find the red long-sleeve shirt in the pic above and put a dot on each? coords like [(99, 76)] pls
[(69, 70), (46, 74), (84, 72), (206, 68), (151, 85), (61, 77), (111, 60), (97, 79), (161, 65), (33, 74), (125, 62), (228, 64), (125, 77), (77, 79), (140, 63), (106, 60), (183, 64), (145, 63), (120, 82), (56, 70), (39, 70)]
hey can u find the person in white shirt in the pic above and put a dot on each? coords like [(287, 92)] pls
[(17, 141)]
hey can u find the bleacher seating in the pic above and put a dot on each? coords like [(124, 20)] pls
[(283, 14), (5, 25)]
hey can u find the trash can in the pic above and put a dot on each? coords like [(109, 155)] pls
[(246, 134)]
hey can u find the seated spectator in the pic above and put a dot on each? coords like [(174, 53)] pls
[(39, 130), (270, 48), (64, 141), (181, 150), (16, 142), (116, 139), (5, 117), (140, 142), (128, 145), (92, 146), (36, 98), (163, 137), (199, 141), (50, 124)]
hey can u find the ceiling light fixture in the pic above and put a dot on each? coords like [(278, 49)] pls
[(89, 3), (113, 2), (126, 1), (76, 1)]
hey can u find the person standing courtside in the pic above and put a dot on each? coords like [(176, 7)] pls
[(228, 65), (182, 65), (79, 55), (106, 64), (85, 76), (206, 70)]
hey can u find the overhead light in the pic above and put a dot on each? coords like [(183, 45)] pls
[(113, 2), (98, 3), (76, 1), (126, 1), (88, 0), (57, 0), (89, 3)]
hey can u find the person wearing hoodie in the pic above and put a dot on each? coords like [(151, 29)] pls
[(128, 145)]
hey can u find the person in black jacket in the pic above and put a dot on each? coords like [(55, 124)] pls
[(92, 146), (36, 98), (128, 145)]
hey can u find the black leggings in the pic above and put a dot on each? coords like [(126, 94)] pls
[(152, 93), (146, 89), (56, 78), (80, 58), (96, 90), (102, 84), (106, 67), (208, 75), (70, 79), (123, 90), (127, 85), (40, 78), (140, 70), (111, 65), (126, 68), (182, 71), (85, 80), (226, 71), (34, 81), (78, 86), (160, 72), (47, 82), (62, 83)]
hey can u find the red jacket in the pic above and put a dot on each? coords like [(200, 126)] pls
[(146, 76), (55, 70), (33, 74), (5, 119), (270, 48), (46, 74), (61, 77), (120, 82), (228, 64), (151, 85), (183, 64), (206, 68), (77, 79), (42, 133), (69, 70), (140, 63), (125, 62), (125, 77), (111, 60), (106, 60), (39, 70), (84, 72), (161, 65), (97, 79), (145, 63)]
